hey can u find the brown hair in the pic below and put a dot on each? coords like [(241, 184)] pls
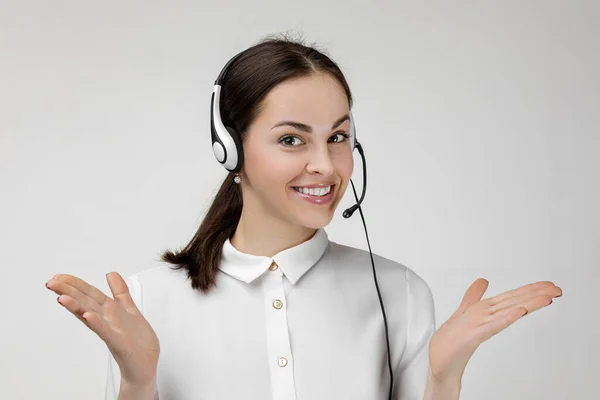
[(247, 81)]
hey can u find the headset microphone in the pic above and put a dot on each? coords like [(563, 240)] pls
[(348, 212)]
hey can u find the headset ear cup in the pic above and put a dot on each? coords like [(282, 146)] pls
[(238, 148)]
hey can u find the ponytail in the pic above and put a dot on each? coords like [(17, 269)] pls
[(202, 256)]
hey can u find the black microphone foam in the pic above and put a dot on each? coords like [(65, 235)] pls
[(348, 212)]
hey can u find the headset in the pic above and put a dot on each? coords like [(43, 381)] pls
[(227, 148)]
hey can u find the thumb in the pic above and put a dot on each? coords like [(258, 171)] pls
[(120, 291), (473, 295)]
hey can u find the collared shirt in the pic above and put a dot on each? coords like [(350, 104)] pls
[(305, 324)]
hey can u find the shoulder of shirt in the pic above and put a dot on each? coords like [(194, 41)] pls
[(152, 287), (160, 274), (387, 268)]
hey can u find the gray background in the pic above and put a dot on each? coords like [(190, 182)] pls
[(479, 120)]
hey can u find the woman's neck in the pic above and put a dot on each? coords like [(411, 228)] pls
[(265, 235)]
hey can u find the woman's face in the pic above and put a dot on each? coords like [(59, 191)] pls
[(298, 144)]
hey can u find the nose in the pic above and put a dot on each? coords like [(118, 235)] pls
[(319, 161)]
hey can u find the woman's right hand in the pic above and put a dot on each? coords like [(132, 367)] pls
[(118, 322)]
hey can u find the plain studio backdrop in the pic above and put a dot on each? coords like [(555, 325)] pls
[(479, 122)]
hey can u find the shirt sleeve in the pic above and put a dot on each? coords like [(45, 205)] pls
[(113, 375), (410, 376)]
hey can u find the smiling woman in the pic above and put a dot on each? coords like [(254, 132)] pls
[(260, 304)]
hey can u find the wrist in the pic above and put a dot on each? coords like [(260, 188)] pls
[(448, 389), (137, 391)]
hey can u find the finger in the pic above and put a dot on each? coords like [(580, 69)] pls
[(73, 306), (120, 291), (523, 289), (91, 319), (473, 295), (531, 305), (60, 287), (523, 298), (83, 287)]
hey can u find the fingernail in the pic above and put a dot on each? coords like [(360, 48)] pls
[(58, 299)]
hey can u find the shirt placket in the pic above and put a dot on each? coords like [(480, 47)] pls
[(281, 362)]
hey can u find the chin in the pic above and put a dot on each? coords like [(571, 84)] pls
[(314, 221)]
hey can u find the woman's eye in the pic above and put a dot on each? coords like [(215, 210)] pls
[(340, 137), (290, 140)]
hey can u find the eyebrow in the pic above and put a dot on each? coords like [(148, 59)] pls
[(306, 128)]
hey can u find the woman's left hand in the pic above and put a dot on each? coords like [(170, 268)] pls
[(476, 320)]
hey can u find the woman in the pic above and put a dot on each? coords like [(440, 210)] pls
[(261, 304)]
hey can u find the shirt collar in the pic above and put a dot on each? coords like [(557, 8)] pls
[(294, 262)]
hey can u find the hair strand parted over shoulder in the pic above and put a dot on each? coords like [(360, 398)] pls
[(273, 60)]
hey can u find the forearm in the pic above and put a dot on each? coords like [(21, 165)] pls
[(442, 390), (136, 392)]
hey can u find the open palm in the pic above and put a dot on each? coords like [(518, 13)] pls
[(476, 320), (118, 322)]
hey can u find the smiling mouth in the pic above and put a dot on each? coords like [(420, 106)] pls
[(317, 192)]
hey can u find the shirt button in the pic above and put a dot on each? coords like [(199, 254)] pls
[(277, 304), (273, 266), (282, 361)]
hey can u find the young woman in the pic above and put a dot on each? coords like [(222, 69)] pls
[(261, 304)]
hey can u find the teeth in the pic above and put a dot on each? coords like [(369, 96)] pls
[(314, 191)]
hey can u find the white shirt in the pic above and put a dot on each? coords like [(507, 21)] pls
[(305, 324)]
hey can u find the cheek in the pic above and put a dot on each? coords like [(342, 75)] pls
[(344, 164), (271, 169)]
